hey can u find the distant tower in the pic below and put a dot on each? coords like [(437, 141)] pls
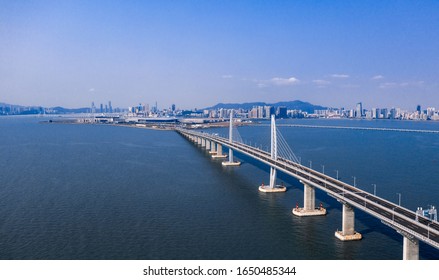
[(93, 108), (110, 107), (173, 107), (359, 110), (418, 108), (102, 108)]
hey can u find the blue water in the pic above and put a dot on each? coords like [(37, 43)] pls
[(106, 192)]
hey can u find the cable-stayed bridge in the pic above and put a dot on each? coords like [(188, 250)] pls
[(413, 226)]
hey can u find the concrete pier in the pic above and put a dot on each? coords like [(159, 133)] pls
[(230, 162), (348, 225), (272, 187), (410, 249), (309, 200), (203, 142), (208, 144), (219, 152), (212, 148), (276, 188)]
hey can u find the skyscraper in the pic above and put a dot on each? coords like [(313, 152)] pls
[(359, 110), (93, 108)]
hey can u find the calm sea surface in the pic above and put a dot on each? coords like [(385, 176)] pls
[(106, 192)]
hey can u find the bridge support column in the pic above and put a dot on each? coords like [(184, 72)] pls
[(212, 148), (219, 151), (208, 144), (348, 225), (272, 187), (309, 201), (199, 140), (230, 162), (410, 249), (203, 142)]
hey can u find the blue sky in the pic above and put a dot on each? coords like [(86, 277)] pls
[(199, 53)]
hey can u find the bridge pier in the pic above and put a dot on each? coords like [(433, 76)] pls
[(410, 249), (212, 148), (199, 140), (348, 232), (208, 144), (309, 201), (230, 162), (219, 151), (203, 142)]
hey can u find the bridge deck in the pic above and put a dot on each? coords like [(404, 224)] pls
[(400, 218)]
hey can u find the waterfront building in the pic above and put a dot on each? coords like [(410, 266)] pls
[(359, 110), (281, 112), (269, 110)]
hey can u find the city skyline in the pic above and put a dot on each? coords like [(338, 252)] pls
[(196, 54)]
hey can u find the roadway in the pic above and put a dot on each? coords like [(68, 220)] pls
[(400, 218)]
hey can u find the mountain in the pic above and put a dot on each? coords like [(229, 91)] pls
[(291, 105), (9, 109), (61, 110)]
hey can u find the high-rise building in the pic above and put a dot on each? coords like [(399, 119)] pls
[(375, 113), (93, 108), (260, 112), (418, 109), (359, 110), (281, 112), (253, 114), (173, 107), (110, 107), (269, 110), (392, 113)]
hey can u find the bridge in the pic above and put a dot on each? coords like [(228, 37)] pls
[(413, 227)]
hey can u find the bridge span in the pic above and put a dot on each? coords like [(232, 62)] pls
[(413, 227)]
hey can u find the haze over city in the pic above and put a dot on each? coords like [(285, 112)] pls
[(199, 53)]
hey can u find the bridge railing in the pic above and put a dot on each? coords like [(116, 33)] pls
[(334, 187)]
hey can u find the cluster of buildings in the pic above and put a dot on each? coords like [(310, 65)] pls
[(282, 112), (378, 113), (256, 112), (104, 109)]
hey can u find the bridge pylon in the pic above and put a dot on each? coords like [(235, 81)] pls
[(272, 187), (230, 162)]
